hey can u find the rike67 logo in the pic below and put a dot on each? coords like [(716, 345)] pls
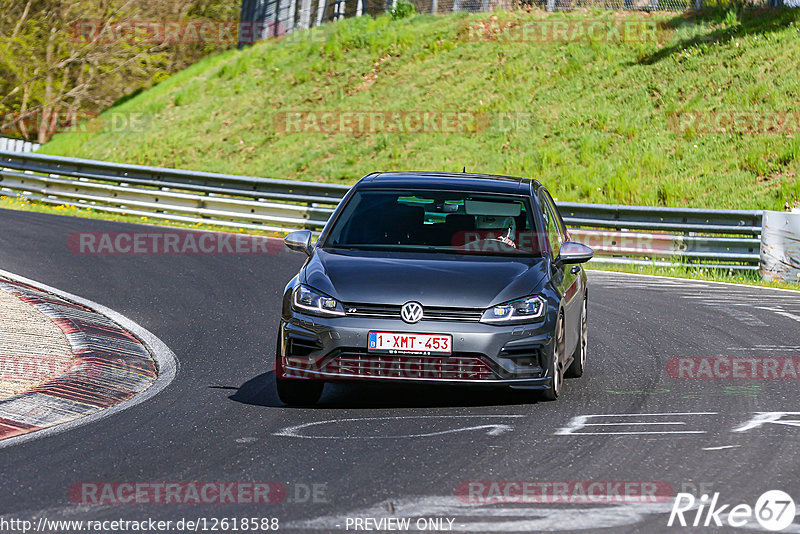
[(774, 510)]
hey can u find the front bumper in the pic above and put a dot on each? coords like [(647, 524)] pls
[(335, 349)]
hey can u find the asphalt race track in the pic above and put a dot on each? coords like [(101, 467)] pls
[(381, 451)]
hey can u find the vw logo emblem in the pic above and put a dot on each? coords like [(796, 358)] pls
[(411, 312)]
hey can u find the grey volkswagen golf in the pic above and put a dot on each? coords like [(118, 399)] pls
[(436, 278)]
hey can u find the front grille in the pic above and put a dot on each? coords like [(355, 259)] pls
[(410, 367), (452, 314), (430, 313)]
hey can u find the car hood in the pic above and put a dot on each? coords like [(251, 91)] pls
[(431, 279)]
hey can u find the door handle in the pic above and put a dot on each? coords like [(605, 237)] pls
[(575, 269)]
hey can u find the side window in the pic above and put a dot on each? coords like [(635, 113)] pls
[(559, 221), (554, 235)]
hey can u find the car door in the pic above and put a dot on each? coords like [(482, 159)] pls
[(566, 277)]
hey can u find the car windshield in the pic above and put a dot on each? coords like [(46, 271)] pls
[(436, 221)]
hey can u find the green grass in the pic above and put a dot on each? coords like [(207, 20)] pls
[(593, 116)]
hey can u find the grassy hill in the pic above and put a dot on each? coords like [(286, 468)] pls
[(598, 120)]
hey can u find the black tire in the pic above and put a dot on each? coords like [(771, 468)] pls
[(557, 380), (575, 370), (299, 392)]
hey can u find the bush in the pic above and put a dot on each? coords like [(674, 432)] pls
[(403, 9)]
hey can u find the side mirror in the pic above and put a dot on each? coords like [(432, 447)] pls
[(572, 252), (299, 241)]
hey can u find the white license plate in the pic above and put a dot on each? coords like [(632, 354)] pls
[(410, 343)]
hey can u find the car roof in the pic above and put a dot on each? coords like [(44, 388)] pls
[(455, 181)]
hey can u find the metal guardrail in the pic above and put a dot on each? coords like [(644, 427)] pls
[(188, 196), (619, 234)]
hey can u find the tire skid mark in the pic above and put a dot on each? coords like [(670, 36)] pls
[(111, 365)]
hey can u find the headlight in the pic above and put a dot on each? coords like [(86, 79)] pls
[(311, 301), (520, 310)]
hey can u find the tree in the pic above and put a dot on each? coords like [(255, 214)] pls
[(61, 62)]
